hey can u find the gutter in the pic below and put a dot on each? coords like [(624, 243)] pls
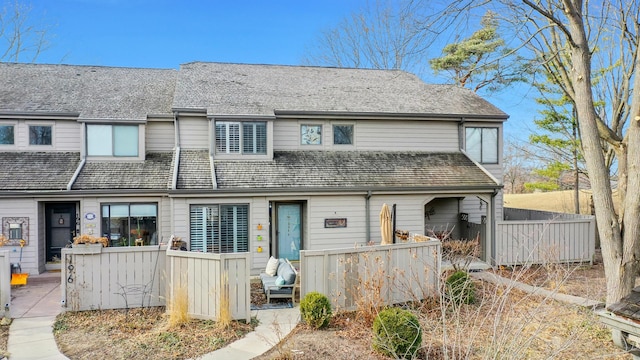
[(382, 115)]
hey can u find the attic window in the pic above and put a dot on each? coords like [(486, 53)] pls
[(39, 135), (247, 137), (112, 140), (6, 135)]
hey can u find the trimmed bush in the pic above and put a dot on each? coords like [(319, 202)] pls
[(460, 289), (315, 310), (397, 333)]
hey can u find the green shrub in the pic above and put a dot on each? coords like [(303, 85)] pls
[(397, 333), (315, 310), (460, 289)]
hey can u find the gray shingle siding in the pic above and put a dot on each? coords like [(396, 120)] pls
[(37, 170), (351, 169)]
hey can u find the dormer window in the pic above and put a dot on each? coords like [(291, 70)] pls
[(112, 140), (6, 135), (247, 137), (40, 135)]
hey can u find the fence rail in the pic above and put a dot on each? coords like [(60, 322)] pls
[(396, 273), (552, 237)]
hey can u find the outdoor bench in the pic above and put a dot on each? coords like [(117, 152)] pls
[(283, 283)]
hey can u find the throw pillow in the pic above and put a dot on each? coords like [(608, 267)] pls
[(279, 281), (272, 266)]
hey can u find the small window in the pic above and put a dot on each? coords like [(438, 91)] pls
[(241, 138), (39, 135), (310, 134), (343, 134), (112, 140), (482, 144), (6, 135)]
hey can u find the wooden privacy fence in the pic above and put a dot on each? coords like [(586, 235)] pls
[(113, 278), (383, 274), (551, 238), (129, 277), (209, 278)]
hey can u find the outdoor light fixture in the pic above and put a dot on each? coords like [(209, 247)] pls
[(61, 220)]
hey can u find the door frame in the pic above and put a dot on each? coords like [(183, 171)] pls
[(74, 225), (273, 219)]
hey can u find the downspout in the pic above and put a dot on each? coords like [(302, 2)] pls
[(367, 211), (461, 133), (492, 235), (83, 159), (176, 154), (212, 129)]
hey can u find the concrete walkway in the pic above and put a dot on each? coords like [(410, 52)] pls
[(35, 306)]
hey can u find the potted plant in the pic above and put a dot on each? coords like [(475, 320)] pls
[(89, 244)]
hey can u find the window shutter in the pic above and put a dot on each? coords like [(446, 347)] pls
[(254, 138), (198, 228), (234, 228), (221, 137)]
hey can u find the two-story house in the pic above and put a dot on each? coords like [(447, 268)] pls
[(234, 157)]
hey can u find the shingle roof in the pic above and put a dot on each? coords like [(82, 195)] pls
[(92, 91), (241, 89), (37, 170), (352, 169), (194, 171), (154, 173)]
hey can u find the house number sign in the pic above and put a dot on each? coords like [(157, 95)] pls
[(335, 223)]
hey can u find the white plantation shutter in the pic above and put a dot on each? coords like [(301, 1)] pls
[(219, 228), (254, 138), (228, 137), (234, 228)]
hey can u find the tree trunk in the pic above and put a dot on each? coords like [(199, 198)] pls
[(619, 275)]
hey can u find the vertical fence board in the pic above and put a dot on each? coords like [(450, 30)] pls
[(402, 272)]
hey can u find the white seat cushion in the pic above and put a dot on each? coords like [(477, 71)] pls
[(272, 266)]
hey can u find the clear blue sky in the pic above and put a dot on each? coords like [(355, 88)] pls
[(165, 34)]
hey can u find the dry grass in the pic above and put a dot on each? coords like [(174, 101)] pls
[(4, 339), (504, 323), (556, 201), (178, 307), (142, 333)]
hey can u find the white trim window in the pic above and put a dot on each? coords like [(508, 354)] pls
[(241, 137), (112, 140), (482, 144), (7, 134), (343, 134), (219, 228), (40, 135)]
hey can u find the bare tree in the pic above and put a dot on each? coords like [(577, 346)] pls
[(21, 37), (516, 163), (385, 34)]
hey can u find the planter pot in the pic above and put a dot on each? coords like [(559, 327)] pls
[(87, 248)]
